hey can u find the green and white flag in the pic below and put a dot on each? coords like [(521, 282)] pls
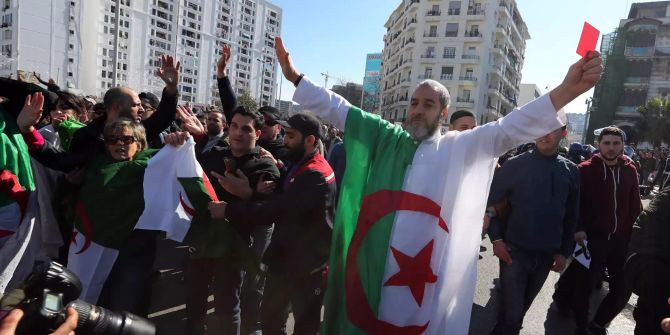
[(409, 218), (165, 191)]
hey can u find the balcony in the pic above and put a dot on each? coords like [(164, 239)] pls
[(408, 42), (451, 34), (470, 57), (454, 11), (449, 56), (472, 33), (465, 100), (639, 51), (447, 76), (636, 81), (428, 56), (425, 76), (478, 11), (467, 78), (430, 34), (433, 13)]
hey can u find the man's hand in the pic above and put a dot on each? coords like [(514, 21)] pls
[(169, 72), (285, 61), (223, 62), (236, 184), (189, 121), (265, 187), (500, 250), (580, 237), (76, 176), (559, 263), (176, 139), (665, 323), (70, 324), (267, 154), (9, 323), (581, 77), (217, 209), (31, 112)]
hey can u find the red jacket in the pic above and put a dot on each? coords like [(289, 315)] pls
[(605, 191)]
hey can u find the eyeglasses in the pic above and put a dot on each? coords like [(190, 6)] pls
[(125, 140)]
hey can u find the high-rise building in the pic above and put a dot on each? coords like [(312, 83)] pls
[(528, 93), (475, 48), (636, 68), (285, 108), (98, 44), (351, 91), (370, 100)]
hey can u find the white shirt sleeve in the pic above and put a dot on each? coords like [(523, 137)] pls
[(523, 125), (322, 102)]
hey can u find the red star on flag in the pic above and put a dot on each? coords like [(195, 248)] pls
[(415, 272)]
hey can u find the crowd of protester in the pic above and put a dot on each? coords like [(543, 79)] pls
[(277, 180)]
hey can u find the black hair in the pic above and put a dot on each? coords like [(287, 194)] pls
[(256, 116), (71, 101), (459, 114), (612, 131)]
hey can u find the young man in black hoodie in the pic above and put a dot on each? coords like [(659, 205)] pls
[(648, 266), (303, 213), (610, 204), (543, 193)]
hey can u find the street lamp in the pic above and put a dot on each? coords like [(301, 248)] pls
[(588, 103)]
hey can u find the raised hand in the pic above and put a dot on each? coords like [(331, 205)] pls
[(169, 72), (223, 61), (285, 61), (31, 112), (581, 77), (189, 121), (265, 187)]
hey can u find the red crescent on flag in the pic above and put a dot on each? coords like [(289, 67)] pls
[(190, 211), (9, 184), (373, 208), (86, 226)]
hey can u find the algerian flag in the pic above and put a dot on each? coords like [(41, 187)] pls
[(66, 130), (409, 217), (17, 205), (174, 192)]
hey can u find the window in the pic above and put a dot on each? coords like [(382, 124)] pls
[(449, 52), (447, 73), (433, 31), (452, 30), (454, 8)]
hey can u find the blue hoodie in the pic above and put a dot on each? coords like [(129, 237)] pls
[(543, 196)]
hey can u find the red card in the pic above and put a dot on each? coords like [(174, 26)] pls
[(589, 39)]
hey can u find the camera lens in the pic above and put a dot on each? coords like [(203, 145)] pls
[(99, 321)]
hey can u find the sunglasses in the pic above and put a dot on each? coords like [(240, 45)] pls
[(124, 140)]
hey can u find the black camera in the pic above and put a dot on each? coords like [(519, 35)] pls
[(46, 294)]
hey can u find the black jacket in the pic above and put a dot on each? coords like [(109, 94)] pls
[(88, 142), (276, 148), (302, 214), (649, 247)]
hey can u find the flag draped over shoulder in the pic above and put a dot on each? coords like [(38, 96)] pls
[(409, 219), (164, 190)]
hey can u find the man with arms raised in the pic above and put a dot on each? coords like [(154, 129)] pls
[(408, 222)]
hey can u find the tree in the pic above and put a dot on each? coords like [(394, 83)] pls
[(654, 123), (245, 100)]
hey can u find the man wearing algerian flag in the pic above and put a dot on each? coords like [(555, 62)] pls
[(403, 257)]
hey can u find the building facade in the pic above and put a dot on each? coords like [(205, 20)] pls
[(370, 99), (637, 68), (351, 91), (528, 93), (110, 43), (474, 47)]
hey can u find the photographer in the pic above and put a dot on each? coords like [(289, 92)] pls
[(11, 321)]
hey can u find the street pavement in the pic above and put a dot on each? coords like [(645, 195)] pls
[(169, 296)]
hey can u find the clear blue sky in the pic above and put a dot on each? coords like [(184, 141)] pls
[(335, 36)]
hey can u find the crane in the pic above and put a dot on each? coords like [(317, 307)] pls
[(327, 76)]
